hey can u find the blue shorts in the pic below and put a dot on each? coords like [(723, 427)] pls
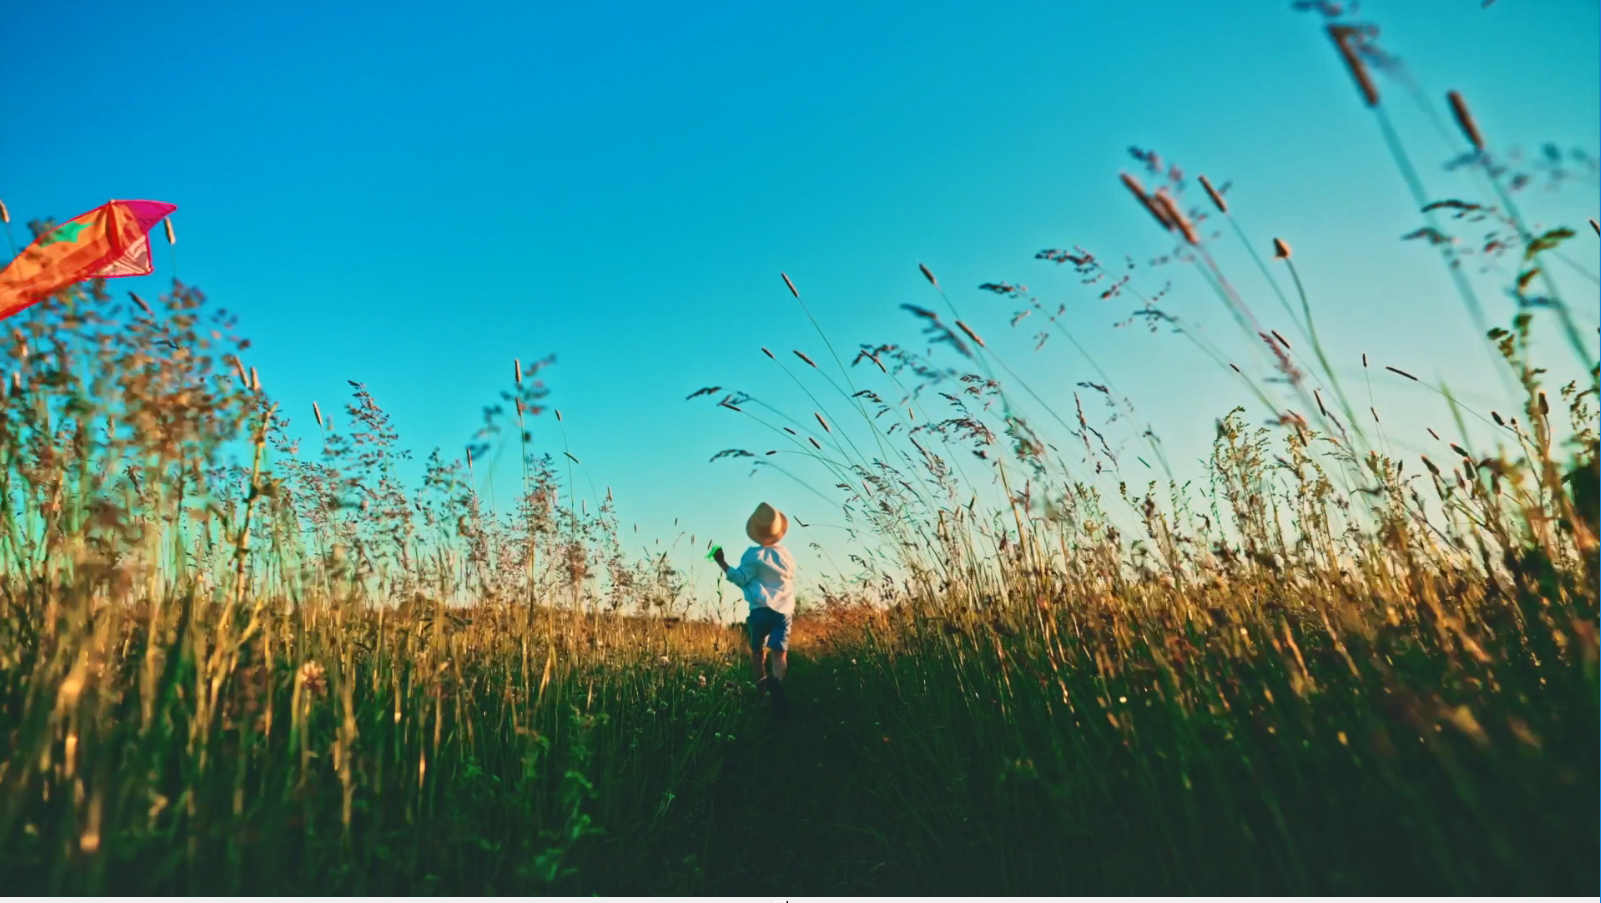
[(769, 625)]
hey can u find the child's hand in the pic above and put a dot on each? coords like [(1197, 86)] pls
[(717, 556)]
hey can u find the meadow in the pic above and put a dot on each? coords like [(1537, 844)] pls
[(233, 661)]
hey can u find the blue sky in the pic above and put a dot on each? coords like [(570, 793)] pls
[(412, 195)]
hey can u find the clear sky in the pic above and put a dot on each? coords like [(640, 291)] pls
[(413, 194)]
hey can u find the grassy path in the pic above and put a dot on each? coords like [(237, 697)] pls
[(862, 792), (788, 813)]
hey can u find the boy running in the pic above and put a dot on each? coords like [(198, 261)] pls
[(766, 575)]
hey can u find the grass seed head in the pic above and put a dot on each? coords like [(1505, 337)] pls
[(1176, 217), (1151, 207), (1464, 120), (1217, 199), (970, 333), (1342, 36)]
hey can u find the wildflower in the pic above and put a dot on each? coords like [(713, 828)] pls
[(313, 678)]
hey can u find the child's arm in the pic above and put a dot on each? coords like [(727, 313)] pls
[(735, 575)]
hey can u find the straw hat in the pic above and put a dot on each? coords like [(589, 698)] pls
[(767, 526)]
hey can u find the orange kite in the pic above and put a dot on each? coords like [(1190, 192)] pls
[(109, 241)]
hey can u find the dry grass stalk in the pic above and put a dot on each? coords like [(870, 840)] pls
[(1281, 249), (171, 239), (790, 285), (928, 275), (5, 215)]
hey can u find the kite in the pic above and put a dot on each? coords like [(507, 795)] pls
[(109, 241)]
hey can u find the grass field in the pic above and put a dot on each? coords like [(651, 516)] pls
[(1331, 669)]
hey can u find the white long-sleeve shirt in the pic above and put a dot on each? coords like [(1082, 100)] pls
[(766, 574)]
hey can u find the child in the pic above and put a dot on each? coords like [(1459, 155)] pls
[(766, 575)]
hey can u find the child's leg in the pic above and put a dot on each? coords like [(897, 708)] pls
[(778, 648), (760, 627)]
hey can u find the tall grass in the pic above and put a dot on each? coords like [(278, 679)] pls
[(230, 664)]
